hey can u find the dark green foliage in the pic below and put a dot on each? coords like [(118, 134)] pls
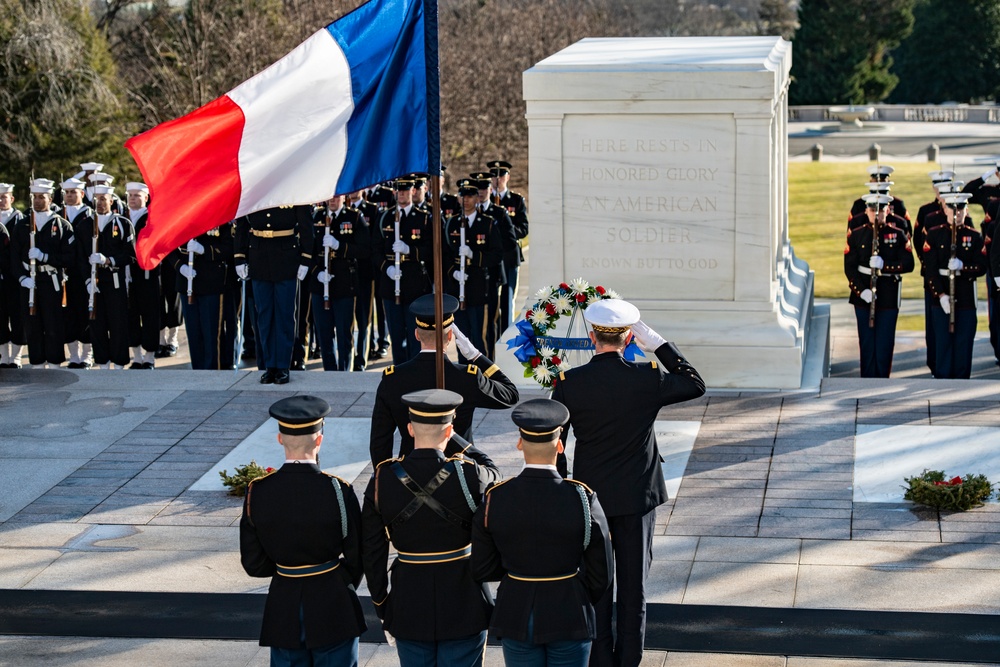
[(932, 489)]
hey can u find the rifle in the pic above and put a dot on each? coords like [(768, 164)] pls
[(875, 272), (951, 273), (461, 263), (190, 278), (326, 264), (396, 264), (93, 272), (31, 261)]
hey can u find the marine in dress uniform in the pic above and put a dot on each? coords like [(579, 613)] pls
[(144, 290), (546, 540), (12, 332), (989, 231), (874, 276), (481, 383), (613, 404), (114, 253), (312, 615), (201, 268), (964, 263), (517, 209), (508, 241), (985, 188), (53, 253), (472, 246), (881, 174), (81, 219), (342, 233), (274, 250), (415, 247), (422, 504), (363, 303), (859, 216)]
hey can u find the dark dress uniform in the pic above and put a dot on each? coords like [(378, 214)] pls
[(953, 350), (46, 329), (77, 298), (363, 302), (273, 243), (351, 231), (616, 456), (433, 597), (894, 248), (989, 230), (981, 193), (11, 322), (508, 242), (144, 300), (4, 277), (203, 317), (482, 384), (483, 239), (517, 209), (897, 208), (109, 329), (415, 231)]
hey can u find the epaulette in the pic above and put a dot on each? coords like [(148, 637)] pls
[(387, 461), (576, 481), (652, 364), (338, 478), (562, 376), (500, 483), (460, 459), (264, 476), (389, 371), (472, 369)]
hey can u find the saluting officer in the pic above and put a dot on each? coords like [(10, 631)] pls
[(989, 231), (613, 404), (481, 383), (942, 265), (12, 332), (274, 251), (115, 252), (201, 266), (986, 187), (302, 527), (472, 247), (363, 303), (415, 247), (546, 540), (81, 219), (867, 269), (144, 306), (53, 253), (423, 504), (345, 233), (517, 209)]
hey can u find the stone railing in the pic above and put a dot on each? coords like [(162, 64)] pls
[(951, 113)]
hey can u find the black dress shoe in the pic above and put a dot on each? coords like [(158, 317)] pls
[(358, 366), (281, 376), (267, 377), (298, 365), (73, 364), (148, 365), (383, 352), (135, 366)]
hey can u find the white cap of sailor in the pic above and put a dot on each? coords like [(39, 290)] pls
[(43, 186), (103, 190), (72, 184), (101, 177), (91, 166), (611, 315), (6, 187), (136, 187)]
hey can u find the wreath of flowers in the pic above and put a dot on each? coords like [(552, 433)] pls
[(541, 360), (932, 488)]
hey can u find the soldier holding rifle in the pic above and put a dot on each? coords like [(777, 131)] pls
[(953, 259), (41, 249), (874, 257)]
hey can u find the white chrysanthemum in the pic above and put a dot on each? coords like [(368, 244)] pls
[(611, 294), (594, 299), (543, 294), (542, 373), (539, 316), (562, 302), (579, 285), (546, 352), (564, 365)]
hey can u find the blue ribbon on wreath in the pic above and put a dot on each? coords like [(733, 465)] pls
[(524, 343)]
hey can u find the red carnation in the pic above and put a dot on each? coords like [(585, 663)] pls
[(528, 315), (535, 361), (269, 469), (580, 298), (555, 361), (550, 309), (955, 481), (563, 286), (600, 290)]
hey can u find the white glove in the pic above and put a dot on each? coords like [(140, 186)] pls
[(393, 273), (457, 275), (955, 264), (195, 247), (876, 262), (92, 287), (465, 251), (27, 282), (242, 271), (401, 248), (303, 272), (330, 241), (990, 177), (187, 271), (867, 295), (946, 304), (647, 339), (98, 259), (997, 281), (465, 345), (324, 277), (35, 253)]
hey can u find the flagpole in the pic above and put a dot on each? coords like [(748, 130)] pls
[(434, 168)]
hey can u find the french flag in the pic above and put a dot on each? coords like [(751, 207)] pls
[(346, 109)]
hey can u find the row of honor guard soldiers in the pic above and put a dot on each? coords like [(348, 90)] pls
[(952, 253)]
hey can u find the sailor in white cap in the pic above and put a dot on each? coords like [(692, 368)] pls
[(112, 251), (873, 265), (101, 178), (144, 305), (953, 259), (12, 334), (81, 219), (41, 250), (613, 404)]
